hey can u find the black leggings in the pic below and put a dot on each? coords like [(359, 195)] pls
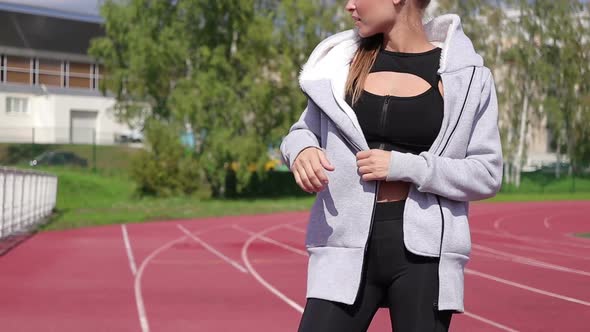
[(392, 277)]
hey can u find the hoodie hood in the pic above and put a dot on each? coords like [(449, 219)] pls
[(444, 31)]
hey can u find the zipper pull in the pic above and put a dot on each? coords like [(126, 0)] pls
[(384, 113)]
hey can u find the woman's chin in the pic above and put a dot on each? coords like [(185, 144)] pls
[(359, 29), (364, 32)]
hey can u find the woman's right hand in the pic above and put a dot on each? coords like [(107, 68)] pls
[(308, 169)]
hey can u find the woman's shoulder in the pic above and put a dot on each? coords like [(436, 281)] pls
[(487, 76)]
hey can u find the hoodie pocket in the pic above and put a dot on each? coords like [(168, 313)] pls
[(457, 234), (422, 223)]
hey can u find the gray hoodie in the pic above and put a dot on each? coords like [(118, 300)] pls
[(463, 164)]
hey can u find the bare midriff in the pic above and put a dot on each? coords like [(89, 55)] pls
[(392, 191)]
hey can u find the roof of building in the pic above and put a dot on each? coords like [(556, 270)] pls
[(40, 32), (70, 14)]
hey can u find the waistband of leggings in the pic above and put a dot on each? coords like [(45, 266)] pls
[(389, 210)]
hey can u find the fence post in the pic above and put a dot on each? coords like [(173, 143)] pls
[(20, 214)]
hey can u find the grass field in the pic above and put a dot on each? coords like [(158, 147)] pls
[(87, 199), (107, 195)]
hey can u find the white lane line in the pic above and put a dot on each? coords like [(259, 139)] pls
[(213, 250), (269, 240), (498, 222), (546, 222), (257, 276), (525, 287), (129, 250), (531, 261), (300, 309), (295, 228), (491, 322), (506, 235), (143, 319), (545, 251)]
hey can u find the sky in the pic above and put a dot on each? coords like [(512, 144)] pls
[(86, 7)]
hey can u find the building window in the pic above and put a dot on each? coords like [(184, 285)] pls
[(50, 72), (18, 70), (56, 73), (16, 105), (80, 75)]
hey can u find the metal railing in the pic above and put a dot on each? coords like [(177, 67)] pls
[(27, 197)]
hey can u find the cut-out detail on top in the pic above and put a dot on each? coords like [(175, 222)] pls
[(375, 84)]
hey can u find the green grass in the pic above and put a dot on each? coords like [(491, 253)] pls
[(89, 199), (583, 235), (86, 199)]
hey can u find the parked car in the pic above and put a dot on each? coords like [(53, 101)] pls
[(133, 136), (61, 158)]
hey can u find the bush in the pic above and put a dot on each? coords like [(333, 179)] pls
[(166, 168)]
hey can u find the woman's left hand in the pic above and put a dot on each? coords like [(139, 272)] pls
[(373, 164)]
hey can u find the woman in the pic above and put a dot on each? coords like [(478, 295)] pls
[(399, 135)]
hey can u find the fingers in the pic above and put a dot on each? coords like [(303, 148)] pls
[(315, 173), (325, 162), (309, 170), (299, 181)]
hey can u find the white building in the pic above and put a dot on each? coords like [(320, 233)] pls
[(49, 86)]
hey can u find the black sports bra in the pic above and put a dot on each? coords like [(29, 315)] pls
[(405, 124)]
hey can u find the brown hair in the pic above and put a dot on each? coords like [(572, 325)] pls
[(364, 58)]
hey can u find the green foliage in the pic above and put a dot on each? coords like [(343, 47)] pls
[(166, 168), (226, 68), (540, 58)]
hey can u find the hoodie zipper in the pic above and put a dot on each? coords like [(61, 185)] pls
[(384, 110), (358, 149)]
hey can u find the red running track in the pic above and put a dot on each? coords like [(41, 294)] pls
[(248, 273)]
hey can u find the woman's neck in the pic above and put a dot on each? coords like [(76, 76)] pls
[(407, 36)]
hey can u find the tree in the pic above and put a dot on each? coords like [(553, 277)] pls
[(227, 68)]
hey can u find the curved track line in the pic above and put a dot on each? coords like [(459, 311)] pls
[(296, 229), (499, 232), (213, 250), (267, 239), (546, 222), (545, 251), (531, 261), (143, 319), (253, 272), (525, 287)]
